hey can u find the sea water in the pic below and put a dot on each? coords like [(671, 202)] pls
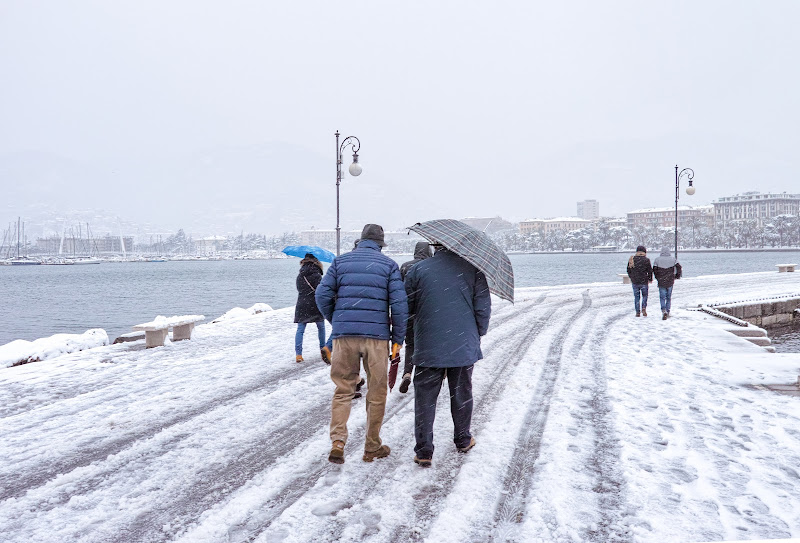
[(38, 301)]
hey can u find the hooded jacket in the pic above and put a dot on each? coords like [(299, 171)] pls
[(666, 269), (307, 281), (450, 301), (639, 269), (362, 295), (422, 250)]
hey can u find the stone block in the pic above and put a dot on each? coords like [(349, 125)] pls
[(750, 311), (783, 318), (182, 332), (769, 320), (760, 341), (155, 338)]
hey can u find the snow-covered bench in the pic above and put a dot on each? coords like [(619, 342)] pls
[(785, 267), (625, 279), (155, 332)]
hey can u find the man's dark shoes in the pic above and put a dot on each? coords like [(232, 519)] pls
[(360, 384), (664, 317), (423, 462), (356, 395), (638, 314), (644, 312), (468, 447), (405, 383), (337, 453), (382, 452)]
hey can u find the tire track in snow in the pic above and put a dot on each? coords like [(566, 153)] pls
[(510, 509), (425, 502), (298, 488), (605, 459), (18, 483)]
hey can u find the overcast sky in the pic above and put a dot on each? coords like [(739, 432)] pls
[(517, 109)]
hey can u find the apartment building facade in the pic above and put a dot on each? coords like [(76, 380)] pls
[(760, 207), (665, 217), (589, 209)]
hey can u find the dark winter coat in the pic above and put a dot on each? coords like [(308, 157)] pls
[(666, 269), (422, 250), (639, 269), (450, 301), (307, 280), (362, 295)]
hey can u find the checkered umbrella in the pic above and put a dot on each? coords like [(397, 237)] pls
[(476, 248)]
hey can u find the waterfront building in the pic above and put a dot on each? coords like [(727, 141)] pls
[(760, 207), (545, 226), (589, 209), (210, 245), (665, 217)]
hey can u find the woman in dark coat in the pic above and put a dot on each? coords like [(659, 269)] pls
[(306, 310)]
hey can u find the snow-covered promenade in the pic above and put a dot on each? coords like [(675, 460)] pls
[(591, 425)]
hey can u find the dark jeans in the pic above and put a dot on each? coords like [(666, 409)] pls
[(637, 291), (298, 337), (408, 365), (427, 383), (665, 295)]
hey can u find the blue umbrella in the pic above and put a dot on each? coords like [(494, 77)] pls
[(302, 250)]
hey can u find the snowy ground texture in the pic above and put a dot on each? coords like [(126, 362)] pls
[(592, 425)]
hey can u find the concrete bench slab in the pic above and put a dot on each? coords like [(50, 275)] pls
[(785, 267), (625, 279), (155, 332)]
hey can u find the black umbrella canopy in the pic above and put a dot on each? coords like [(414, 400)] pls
[(476, 248)]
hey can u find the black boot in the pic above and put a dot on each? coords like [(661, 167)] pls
[(405, 383)]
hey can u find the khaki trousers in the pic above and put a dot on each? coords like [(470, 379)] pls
[(345, 366)]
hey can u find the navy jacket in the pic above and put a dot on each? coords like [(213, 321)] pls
[(362, 295), (450, 301)]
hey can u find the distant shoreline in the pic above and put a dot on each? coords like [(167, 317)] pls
[(770, 250)]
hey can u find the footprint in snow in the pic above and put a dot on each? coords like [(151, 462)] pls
[(329, 508), (276, 536)]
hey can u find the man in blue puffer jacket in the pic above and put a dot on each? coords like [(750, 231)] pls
[(363, 297)]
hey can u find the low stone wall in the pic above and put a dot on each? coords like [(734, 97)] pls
[(766, 314)]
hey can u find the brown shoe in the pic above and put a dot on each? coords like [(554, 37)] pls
[(326, 355), (423, 462), (664, 317), (298, 358), (644, 312), (638, 314), (337, 453), (468, 447), (382, 452)]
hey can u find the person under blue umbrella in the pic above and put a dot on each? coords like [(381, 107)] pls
[(306, 310)]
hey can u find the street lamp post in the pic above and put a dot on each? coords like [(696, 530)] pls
[(354, 169), (689, 173)]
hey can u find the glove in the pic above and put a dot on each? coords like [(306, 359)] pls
[(395, 350)]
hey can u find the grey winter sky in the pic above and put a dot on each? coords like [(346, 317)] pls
[(191, 111)]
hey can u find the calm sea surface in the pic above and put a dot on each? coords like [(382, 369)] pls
[(38, 301)]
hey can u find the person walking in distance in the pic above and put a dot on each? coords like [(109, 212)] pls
[(666, 269), (422, 250), (362, 295), (450, 301), (306, 310), (641, 273)]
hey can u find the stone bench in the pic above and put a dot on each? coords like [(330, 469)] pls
[(625, 279), (785, 267), (155, 332)]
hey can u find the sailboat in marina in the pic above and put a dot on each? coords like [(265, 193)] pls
[(19, 260)]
